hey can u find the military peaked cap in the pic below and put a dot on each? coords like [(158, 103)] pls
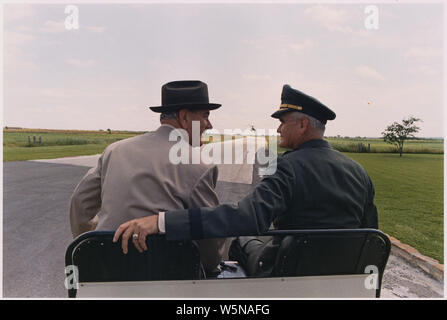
[(295, 100)]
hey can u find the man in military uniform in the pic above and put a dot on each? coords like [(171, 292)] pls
[(314, 187)]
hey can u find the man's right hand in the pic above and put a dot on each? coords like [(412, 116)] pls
[(142, 227)]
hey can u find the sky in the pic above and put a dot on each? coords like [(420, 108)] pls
[(107, 73)]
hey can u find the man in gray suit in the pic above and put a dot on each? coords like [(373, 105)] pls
[(135, 178), (314, 187)]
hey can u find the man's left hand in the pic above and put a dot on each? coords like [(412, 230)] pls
[(141, 227)]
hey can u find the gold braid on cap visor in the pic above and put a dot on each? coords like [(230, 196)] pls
[(290, 106)]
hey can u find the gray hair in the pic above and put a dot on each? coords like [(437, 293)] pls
[(169, 115), (314, 123)]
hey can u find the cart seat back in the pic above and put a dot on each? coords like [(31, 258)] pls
[(332, 252), (98, 259)]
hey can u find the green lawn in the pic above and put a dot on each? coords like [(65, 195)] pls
[(433, 146), (56, 144), (51, 152), (409, 198), (380, 146)]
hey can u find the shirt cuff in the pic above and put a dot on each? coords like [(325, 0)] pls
[(161, 223)]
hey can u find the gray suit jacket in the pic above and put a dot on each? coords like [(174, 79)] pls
[(134, 178)]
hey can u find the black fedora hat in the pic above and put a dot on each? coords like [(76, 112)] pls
[(295, 100), (185, 94)]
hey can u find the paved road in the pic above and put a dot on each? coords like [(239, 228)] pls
[(36, 227)]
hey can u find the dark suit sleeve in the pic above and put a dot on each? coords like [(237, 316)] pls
[(370, 218), (250, 216), (203, 194)]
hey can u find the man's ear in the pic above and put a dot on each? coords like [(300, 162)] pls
[(304, 124), (183, 118)]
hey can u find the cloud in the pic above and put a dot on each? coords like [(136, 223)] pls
[(424, 70), (13, 39), (15, 57), (51, 26), (51, 110), (80, 63), (368, 73), (299, 47), (330, 18), (14, 61), (130, 108), (422, 53), (256, 77), (14, 12), (338, 20), (95, 29), (24, 29), (54, 93)]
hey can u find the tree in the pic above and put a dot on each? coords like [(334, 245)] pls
[(397, 133)]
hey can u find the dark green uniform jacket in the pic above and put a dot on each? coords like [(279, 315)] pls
[(314, 187)]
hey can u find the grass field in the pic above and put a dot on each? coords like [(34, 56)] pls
[(379, 146), (409, 189), (368, 145), (56, 143), (409, 198)]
